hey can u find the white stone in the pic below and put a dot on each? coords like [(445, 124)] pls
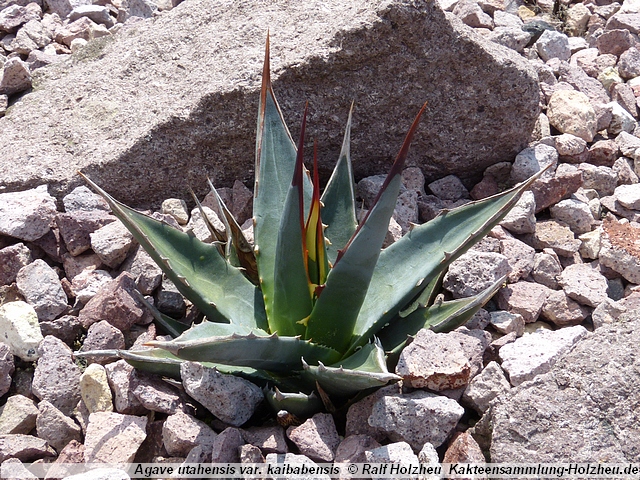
[(316, 438), (553, 44), (199, 227), (537, 352), (628, 196), (533, 159), (607, 312), (449, 188), (112, 243), (562, 310), (596, 208), (31, 36), (546, 268), (406, 212), (81, 198), (602, 179), (608, 78), (486, 386), (27, 215), (520, 257), (622, 121), (448, 5), (524, 298), (232, 399), (624, 169), (55, 427), (506, 322), (574, 213), (577, 18), (16, 77), (577, 44), (628, 144), (18, 415), (522, 217), (106, 473), (416, 418), (398, 452), (177, 209), (277, 459), (113, 438), (394, 233), (567, 144), (40, 286), (473, 272), (511, 37), (181, 432), (584, 284), (76, 44), (87, 283), (571, 112), (630, 6), (505, 19), (429, 455), (20, 329), (590, 247), (97, 13), (435, 361)]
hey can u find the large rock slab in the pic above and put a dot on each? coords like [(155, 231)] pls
[(178, 93), (595, 388)]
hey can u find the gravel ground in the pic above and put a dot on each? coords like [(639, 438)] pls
[(569, 249)]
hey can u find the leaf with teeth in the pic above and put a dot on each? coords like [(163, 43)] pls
[(232, 345), (423, 254), (299, 404), (172, 326), (292, 300), (439, 317), (237, 245), (275, 163), (164, 363), (339, 200), (197, 269), (335, 313), (363, 370), (323, 289)]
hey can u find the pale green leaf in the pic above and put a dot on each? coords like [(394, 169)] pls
[(198, 270)]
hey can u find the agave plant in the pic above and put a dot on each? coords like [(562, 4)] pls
[(316, 304)]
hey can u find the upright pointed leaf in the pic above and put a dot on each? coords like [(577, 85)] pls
[(236, 241), (336, 310), (406, 267), (292, 301), (275, 162), (317, 261), (219, 290), (339, 210), (220, 237)]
